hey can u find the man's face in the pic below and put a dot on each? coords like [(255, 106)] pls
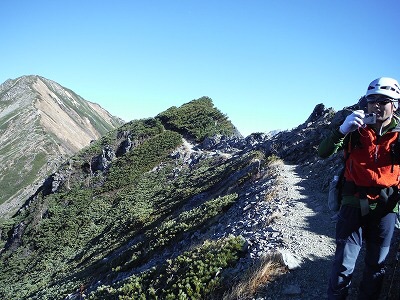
[(382, 106)]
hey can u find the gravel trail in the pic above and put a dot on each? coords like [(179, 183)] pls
[(308, 234)]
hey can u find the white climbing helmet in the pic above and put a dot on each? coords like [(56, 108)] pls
[(384, 86)]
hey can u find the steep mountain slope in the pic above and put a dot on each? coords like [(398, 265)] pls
[(41, 123), (165, 208)]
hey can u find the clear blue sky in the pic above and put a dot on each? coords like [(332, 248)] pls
[(265, 63)]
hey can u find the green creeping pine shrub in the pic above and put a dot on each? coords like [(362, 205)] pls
[(171, 230), (209, 173), (137, 130), (191, 275), (189, 220), (198, 119), (141, 159), (6, 226)]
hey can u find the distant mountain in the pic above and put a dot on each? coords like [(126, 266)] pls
[(159, 208), (41, 124)]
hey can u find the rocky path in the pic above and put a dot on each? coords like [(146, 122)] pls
[(307, 231)]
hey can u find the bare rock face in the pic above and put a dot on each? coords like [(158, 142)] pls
[(41, 123)]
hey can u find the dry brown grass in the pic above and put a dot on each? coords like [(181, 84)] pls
[(265, 270), (275, 189), (272, 193), (274, 171)]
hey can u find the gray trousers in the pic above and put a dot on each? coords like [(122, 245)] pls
[(351, 231)]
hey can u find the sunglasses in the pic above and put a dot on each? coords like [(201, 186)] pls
[(373, 99)]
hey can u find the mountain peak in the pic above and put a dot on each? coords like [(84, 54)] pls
[(40, 122)]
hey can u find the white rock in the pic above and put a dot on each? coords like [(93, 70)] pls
[(289, 259)]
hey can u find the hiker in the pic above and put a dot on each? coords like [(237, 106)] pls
[(370, 189)]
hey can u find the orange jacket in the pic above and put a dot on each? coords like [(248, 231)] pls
[(371, 161)]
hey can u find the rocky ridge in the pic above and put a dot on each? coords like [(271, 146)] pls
[(262, 213), (281, 211), (295, 226)]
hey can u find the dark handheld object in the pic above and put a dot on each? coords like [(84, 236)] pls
[(369, 118)]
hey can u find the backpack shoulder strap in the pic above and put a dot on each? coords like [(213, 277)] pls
[(353, 141)]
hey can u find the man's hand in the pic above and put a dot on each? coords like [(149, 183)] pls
[(352, 122)]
